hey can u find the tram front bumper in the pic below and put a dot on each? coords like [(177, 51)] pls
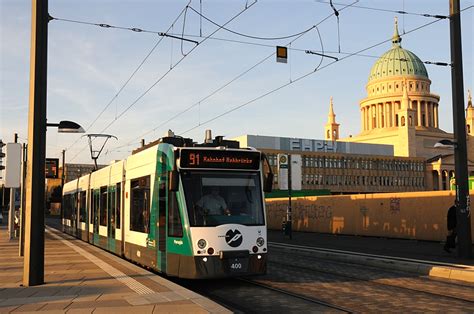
[(202, 267)]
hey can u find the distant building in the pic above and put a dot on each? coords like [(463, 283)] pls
[(343, 167), (401, 110), (73, 171), (394, 150), (313, 145)]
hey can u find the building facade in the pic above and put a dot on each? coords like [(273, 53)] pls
[(343, 167), (400, 109), (395, 149)]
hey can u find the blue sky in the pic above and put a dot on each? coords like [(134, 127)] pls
[(88, 65)]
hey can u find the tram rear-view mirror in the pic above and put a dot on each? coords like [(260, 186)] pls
[(173, 180), (268, 183)]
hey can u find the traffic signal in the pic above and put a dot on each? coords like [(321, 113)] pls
[(2, 155)]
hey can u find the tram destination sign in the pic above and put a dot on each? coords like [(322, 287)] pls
[(219, 159)]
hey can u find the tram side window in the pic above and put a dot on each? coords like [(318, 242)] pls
[(118, 196), (175, 228), (67, 206), (92, 214), (111, 205), (103, 206), (140, 204), (82, 206)]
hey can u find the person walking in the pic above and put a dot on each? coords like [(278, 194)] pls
[(451, 224)]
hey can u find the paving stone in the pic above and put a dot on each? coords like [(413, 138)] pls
[(126, 309), (74, 284), (80, 311)]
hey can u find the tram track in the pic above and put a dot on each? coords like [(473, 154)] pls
[(390, 263), (377, 282), (299, 296), (244, 295)]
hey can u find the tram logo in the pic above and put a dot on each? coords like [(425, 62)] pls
[(233, 238)]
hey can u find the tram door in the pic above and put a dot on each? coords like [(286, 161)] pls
[(112, 201), (162, 180), (95, 213)]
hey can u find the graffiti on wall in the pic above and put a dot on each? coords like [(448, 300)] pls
[(395, 205), (302, 211)]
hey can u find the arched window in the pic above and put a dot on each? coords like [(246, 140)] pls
[(328, 135), (402, 121), (444, 180), (435, 176), (468, 129)]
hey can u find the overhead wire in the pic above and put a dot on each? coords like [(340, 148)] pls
[(436, 16), (133, 29), (167, 72), (348, 54), (126, 82), (132, 142), (300, 78), (251, 36)]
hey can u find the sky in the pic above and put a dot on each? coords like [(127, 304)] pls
[(136, 85)]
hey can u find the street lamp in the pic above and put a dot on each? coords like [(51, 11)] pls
[(446, 144), (67, 127)]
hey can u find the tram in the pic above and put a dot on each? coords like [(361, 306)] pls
[(184, 209)]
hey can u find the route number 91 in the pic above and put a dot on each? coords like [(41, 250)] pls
[(194, 159)]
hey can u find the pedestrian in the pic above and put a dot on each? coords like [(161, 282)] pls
[(451, 224)]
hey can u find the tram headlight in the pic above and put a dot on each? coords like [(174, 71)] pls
[(202, 243), (260, 241)]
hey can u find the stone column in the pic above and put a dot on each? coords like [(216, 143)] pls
[(426, 114), (365, 118), (440, 180), (393, 113), (436, 115), (367, 111), (432, 114), (419, 122), (377, 114), (372, 113), (362, 121)]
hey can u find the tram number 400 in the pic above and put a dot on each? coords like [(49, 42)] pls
[(236, 266)]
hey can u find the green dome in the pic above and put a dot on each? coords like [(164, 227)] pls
[(397, 61)]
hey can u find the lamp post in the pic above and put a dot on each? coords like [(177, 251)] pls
[(464, 248), (33, 267), (32, 243)]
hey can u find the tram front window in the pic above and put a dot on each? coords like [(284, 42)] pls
[(216, 198)]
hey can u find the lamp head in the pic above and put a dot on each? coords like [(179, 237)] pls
[(69, 127)]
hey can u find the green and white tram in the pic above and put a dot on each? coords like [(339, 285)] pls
[(185, 209)]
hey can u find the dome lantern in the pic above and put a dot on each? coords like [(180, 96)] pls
[(396, 39), (397, 62)]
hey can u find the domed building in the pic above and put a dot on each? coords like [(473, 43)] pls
[(401, 110)]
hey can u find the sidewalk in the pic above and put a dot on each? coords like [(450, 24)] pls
[(80, 278), (422, 257)]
